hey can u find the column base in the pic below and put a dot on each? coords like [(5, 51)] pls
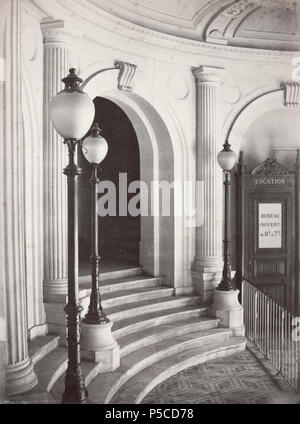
[(205, 282), (227, 307), (98, 345), (53, 288), (20, 378)]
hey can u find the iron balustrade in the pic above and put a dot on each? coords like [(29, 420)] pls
[(273, 330)]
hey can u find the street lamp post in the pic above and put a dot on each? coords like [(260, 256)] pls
[(226, 306), (95, 149), (72, 113), (226, 160)]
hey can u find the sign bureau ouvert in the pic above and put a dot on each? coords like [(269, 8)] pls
[(269, 225), (269, 181)]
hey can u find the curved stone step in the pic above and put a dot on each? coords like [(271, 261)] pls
[(131, 296), (42, 346), (123, 284), (165, 316), (155, 334), (106, 278), (122, 312), (110, 286), (51, 367), (109, 275), (131, 317), (137, 388), (137, 361), (56, 314), (127, 300)]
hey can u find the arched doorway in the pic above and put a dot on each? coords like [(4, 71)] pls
[(165, 249), (119, 233)]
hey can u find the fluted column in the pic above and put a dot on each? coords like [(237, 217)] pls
[(208, 258), (56, 65), (20, 376)]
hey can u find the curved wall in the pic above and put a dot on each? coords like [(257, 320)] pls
[(162, 106)]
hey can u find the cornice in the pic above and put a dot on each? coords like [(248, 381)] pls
[(102, 19)]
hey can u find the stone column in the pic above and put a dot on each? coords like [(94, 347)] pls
[(208, 263), (20, 376), (56, 65)]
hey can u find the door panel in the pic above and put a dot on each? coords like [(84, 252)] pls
[(270, 267)]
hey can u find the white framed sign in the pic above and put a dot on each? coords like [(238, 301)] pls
[(269, 225)]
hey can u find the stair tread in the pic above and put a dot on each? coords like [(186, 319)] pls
[(40, 342), (165, 292), (162, 345), (100, 389), (141, 303), (156, 315), (170, 366), (132, 360), (161, 329), (111, 286), (122, 281), (105, 275), (48, 366), (137, 291)]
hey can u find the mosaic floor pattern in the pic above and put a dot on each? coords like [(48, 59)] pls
[(244, 378)]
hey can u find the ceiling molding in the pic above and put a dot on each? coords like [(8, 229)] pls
[(257, 23), (83, 10)]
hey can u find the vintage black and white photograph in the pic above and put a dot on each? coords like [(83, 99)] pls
[(149, 204)]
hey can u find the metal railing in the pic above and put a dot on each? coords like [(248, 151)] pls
[(272, 330)]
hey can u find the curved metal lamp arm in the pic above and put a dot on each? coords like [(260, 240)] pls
[(85, 82)]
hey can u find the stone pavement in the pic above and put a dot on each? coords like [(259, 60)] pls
[(244, 378)]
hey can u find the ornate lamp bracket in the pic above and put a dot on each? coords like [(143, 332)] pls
[(125, 77)]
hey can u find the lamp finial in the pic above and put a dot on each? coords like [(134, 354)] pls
[(72, 81)]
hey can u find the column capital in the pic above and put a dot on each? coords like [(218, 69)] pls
[(209, 74), (55, 32)]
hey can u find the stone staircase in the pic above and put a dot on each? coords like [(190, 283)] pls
[(159, 335)]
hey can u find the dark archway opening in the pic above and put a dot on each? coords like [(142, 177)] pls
[(119, 236)]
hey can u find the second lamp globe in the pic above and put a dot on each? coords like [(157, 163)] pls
[(95, 147), (226, 157)]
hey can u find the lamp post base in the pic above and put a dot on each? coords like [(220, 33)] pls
[(98, 345), (227, 307), (75, 391)]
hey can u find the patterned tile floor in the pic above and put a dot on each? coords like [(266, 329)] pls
[(244, 378)]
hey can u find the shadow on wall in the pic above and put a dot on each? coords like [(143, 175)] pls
[(271, 133)]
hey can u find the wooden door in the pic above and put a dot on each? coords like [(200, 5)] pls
[(266, 230), (269, 243)]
